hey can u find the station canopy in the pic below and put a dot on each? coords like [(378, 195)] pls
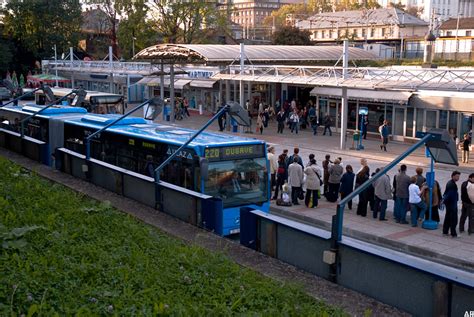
[(274, 54)]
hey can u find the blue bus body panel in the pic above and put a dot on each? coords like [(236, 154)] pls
[(230, 218)]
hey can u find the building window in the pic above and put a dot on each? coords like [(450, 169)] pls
[(372, 32), (449, 33), (382, 31), (364, 33)]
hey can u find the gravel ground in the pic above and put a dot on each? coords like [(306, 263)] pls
[(354, 303)]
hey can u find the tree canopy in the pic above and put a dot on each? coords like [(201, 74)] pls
[(135, 32), (182, 21), (39, 25), (289, 35)]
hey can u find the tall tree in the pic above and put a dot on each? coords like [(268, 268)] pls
[(134, 31), (288, 35), (39, 25), (186, 21), (113, 11)]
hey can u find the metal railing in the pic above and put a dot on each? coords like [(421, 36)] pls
[(393, 78)]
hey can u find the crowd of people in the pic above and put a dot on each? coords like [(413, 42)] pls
[(293, 181)]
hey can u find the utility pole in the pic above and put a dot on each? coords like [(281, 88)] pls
[(56, 64), (344, 110), (457, 41)]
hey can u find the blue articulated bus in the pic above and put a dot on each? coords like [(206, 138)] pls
[(45, 127), (236, 167)]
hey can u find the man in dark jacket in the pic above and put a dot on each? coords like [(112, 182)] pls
[(326, 163), (450, 200), (401, 182), (467, 206)]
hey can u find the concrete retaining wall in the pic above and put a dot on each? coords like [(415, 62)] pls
[(415, 285)]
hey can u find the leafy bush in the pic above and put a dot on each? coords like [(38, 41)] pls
[(90, 259)]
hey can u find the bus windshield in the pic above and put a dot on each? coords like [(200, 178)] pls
[(238, 182)]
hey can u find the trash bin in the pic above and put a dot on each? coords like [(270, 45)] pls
[(356, 136)]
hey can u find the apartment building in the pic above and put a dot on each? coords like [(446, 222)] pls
[(389, 26), (249, 14)]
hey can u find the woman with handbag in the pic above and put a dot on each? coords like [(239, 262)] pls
[(313, 182)]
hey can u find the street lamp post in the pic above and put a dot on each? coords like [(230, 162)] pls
[(456, 38), (133, 45), (56, 64)]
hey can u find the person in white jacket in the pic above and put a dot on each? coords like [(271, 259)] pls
[(272, 160), (313, 182), (295, 180)]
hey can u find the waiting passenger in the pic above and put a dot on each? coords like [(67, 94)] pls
[(150, 167)]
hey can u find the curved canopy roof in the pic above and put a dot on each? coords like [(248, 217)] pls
[(255, 53)]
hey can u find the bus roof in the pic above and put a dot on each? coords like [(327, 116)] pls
[(56, 110), (61, 92), (166, 133)]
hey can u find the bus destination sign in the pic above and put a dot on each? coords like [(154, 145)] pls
[(234, 152)]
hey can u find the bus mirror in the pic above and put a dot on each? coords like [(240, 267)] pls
[(79, 98), (204, 165), (239, 114), (48, 93), (154, 108)]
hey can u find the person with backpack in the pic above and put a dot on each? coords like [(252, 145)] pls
[(313, 182), (296, 155)]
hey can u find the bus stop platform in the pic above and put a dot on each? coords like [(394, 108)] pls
[(428, 244)]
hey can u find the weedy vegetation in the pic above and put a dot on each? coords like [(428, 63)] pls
[(62, 254)]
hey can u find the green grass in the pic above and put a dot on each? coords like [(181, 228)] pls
[(89, 259)]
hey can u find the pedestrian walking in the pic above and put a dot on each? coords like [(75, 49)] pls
[(467, 198), (295, 180), (450, 200), (382, 193), (401, 182), (466, 143), (334, 180), (313, 120), (294, 121), (361, 178), (383, 130), (326, 163), (281, 121), (313, 182), (327, 125), (347, 185), (417, 205)]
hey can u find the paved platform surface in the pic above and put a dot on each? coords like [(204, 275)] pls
[(458, 252)]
